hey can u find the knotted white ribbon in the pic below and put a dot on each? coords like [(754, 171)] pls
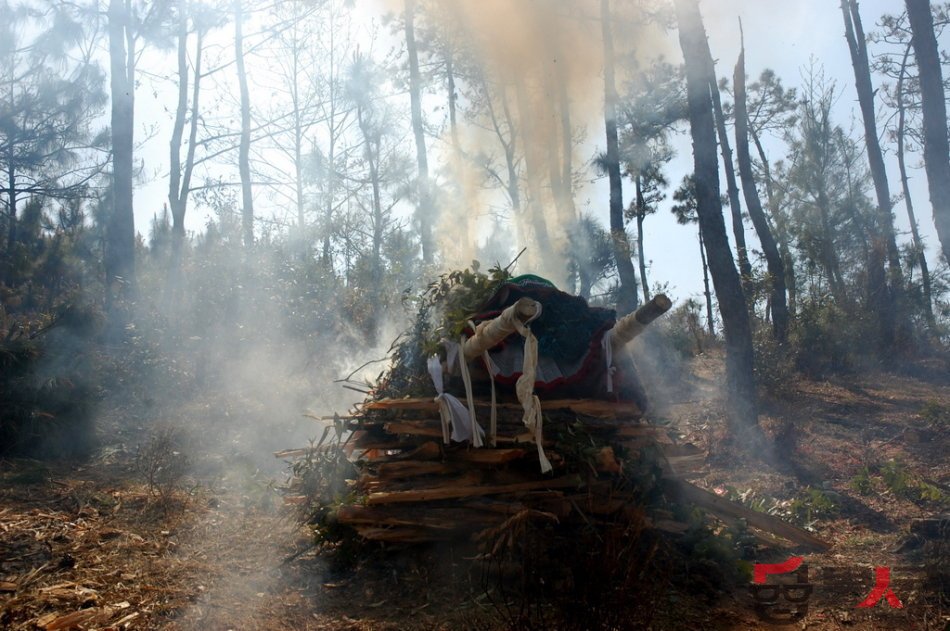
[(524, 388), (458, 421)]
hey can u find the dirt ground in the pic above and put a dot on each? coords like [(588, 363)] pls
[(94, 546)]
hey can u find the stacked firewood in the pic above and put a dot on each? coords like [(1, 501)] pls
[(411, 487), (578, 460), (415, 488)]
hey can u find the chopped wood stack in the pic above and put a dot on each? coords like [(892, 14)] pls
[(412, 488)]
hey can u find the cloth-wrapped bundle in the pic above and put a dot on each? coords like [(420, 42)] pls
[(575, 342)]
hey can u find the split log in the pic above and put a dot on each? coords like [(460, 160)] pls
[(403, 534), (487, 456), (428, 450), (435, 518), (456, 492), (413, 428), (412, 468), (720, 506)]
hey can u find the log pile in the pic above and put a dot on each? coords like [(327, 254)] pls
[(414, 488), (410, 487), (583, 460)]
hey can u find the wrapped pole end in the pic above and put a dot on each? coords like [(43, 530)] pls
[(632, 325), (492, 332), (652, 310)]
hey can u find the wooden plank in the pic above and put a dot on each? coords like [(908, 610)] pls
[(720, 506), (456, 492), (413, 428), (412, 468), (428, 450), (486, 456), (439, 519), (403, 534)]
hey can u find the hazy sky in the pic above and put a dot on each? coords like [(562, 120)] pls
[(778, 35)]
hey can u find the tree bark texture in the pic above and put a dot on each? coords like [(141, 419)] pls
[(732, 189), (710, 322), (424, 213), (641, 257), (732, 303), (628, 299), (934, 108), (908, 201), (854, 33), (781, 224), (120, 233), (179, 181), (244, 163), (773, 258)]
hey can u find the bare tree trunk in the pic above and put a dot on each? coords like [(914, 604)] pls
[(458, 155), (934, 107), (710, 323), (627, 299), (908, 202), (11, 206), (424, 214), (772, 257), (781, 226), (738, 228), (732, 303), (372, 140), (120, 240), (641, 207), (534, 205), (882, 298), (567, 150), (179, 181), (854, 33), (244, 165)]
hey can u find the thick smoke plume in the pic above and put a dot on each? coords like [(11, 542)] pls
[(538, 67)]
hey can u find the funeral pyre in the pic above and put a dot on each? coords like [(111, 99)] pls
[(508, 402)]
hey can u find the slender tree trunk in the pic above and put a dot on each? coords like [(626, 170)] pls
[(710, 323), (732, 189), (781, 226), (298, 119), (854, 33), (829, 259), (244, 164), (424, 213), (11, 208), (120, 239), (457, 154), (628, 298), (908, 202), (372, 142), (883, 298), (330, 172), (732, 303), (934, 107), (773, 258), (641, 209), (567, 150), (180, 174), (534, 205)]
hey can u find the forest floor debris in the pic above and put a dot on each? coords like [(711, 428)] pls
[(87, 547)]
